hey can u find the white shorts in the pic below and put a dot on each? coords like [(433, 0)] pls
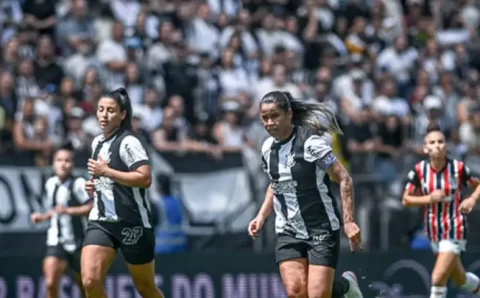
[(449, 245)]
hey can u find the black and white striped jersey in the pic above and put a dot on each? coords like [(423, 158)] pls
[(66, 230), (115, 202), (303, 203)]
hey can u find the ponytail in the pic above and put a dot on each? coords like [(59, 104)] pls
[(315, 116)]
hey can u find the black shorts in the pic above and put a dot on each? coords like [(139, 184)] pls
[(136, 242), (72, 258), (322, 249)]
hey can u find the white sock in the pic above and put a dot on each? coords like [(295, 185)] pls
[(438, 292), (472, 284)]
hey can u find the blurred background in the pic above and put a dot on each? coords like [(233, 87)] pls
[(195, 71)]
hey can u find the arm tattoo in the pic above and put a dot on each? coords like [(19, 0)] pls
[(346, 193)]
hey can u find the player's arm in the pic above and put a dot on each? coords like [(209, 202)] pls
[(318, 150), (267, 206), (337, 172), (37, 217), (471, 180), (83, 197), (409, 198), (134, 155)]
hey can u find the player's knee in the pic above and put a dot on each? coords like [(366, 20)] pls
[(51, 283), (321, 293), (296, 291), (145, 286), (91, 283)]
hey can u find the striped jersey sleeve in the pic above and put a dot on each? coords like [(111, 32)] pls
[(413, 180), (467, 175), (317, 149)]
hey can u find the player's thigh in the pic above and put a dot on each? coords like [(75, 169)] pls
[(294, 274), (320, 281), (98, 253), (291, 256), (447, 252), (54, 265), (322, 258)]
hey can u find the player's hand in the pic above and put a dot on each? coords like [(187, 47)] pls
[(90, 187), (255, 226), (61, 209), (36, 217), (97, 167), (437, 196), (467, 205), (352, 231)]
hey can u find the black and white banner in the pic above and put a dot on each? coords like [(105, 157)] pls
[(217, 195)]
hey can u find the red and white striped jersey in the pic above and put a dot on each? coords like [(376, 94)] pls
[(442, 220)]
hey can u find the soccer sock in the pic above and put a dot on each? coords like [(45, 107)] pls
[(472, 284), (438, 292), (341, 286)]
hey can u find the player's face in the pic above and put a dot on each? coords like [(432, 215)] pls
[(109, 114), (435, 145), (63, 163), (274, 119)]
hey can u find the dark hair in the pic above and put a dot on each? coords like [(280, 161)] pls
[(316, 116), (120, 95), (433, 126), (67, 146)]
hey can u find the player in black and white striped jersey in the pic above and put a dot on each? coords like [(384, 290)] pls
[(120, 218), (68, 203), (300, 163)]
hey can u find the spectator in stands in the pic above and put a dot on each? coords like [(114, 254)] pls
[(41, 15), (470, 135), (227, 132), (168, 137)]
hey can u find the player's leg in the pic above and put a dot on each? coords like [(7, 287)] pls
[(323, 258), (291, 256), (465, 280), (320, 281), (98, 253), (53, 268), (445, 260), (294, 274), (138, 249), (74, 264)]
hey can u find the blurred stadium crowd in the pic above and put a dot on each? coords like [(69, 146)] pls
[(196, 70)]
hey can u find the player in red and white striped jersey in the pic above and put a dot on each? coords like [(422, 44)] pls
[(437, 183)]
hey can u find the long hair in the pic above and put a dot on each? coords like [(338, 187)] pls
[(120, 95), (315, 116)]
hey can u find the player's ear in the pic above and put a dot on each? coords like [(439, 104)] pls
[(425, 149)]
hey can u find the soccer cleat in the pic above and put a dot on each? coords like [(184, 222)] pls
[(354, 291)]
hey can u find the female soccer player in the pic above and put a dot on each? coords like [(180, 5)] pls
[(437, 184), (297, 158), (120, 218), (68, 201)]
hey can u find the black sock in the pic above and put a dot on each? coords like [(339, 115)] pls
[(340, 287)]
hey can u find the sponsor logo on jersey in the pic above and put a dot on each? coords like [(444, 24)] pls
[(284, 187)]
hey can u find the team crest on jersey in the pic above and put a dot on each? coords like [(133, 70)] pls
[(290, 160)]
